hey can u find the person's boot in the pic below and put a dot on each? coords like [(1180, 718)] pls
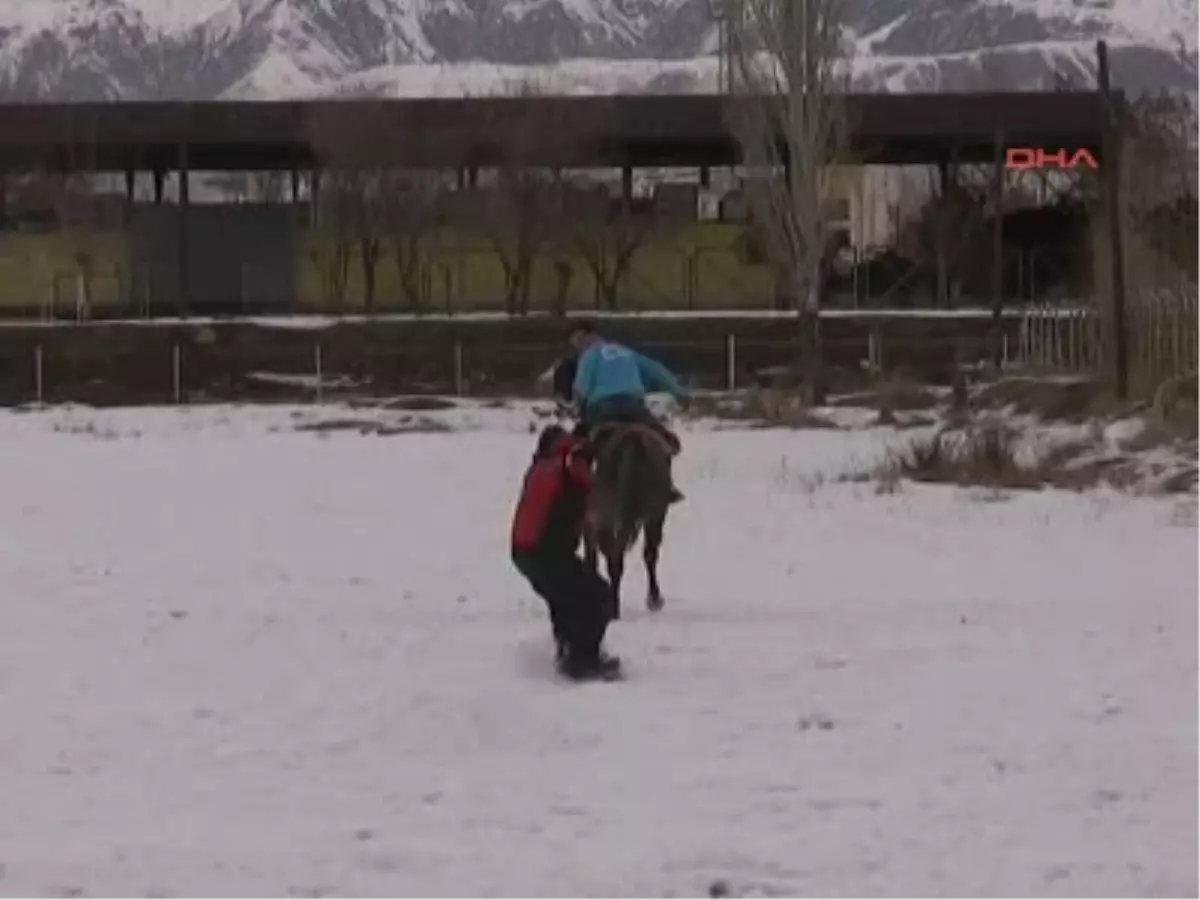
[(592, 666)]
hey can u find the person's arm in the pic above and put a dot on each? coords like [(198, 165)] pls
[(564, 378), (585, 374), (578, 468), (657, 377)]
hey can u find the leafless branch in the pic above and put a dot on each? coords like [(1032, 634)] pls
[(950, 235), (789, 116), (367, 209), (607, 232), (70, 191), (522, 211), (412, 208), (338, 212)]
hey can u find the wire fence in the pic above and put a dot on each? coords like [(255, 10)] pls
[(1162, 330), (301, 367)]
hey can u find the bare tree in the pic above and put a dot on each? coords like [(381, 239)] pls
[(370, 227), (370, 211), (370, 207), (519, 214), (366, 211), (76, 217), (350, 204), (607, 232), (948, 234), (80, 218), (339, 203), (521, 211), (413, 207), (789, 117)]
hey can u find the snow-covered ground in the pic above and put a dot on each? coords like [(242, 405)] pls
[(241, 659)]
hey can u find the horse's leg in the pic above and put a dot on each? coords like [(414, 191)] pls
[(614, 559), (591, 557), (652, 536)]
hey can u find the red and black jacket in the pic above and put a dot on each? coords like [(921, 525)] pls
[(549, 516)]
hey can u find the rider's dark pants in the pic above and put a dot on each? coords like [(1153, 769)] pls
[(624, 408), (577, 597)]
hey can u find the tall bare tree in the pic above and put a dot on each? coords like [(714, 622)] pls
[(949, 234), (607, 232), (79, 212), (356, 199), (788, 114), (339, 212), (521, 211), (413, 209), (367, 211), (519, 216)]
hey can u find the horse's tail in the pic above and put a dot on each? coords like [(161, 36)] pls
[(642, 486), (630, 471)]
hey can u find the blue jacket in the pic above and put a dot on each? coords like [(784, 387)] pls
[(610, 370)]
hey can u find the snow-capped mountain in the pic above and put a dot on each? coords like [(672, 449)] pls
[(200, 49)]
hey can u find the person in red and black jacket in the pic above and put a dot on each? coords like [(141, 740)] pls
[(546, 529)]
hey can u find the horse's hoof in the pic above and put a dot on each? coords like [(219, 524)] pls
[(654, 603)]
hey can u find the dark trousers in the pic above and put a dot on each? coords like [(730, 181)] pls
[(626, 409), (577, 597)]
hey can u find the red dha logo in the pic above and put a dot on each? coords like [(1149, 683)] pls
[(1023, 159)]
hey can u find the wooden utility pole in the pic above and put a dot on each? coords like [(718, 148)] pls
[(1110, 174)]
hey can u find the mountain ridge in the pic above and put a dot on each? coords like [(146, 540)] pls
[(274, 49)]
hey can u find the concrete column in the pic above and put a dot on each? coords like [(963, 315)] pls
[(314, 197), (130, 194), (184, 243)]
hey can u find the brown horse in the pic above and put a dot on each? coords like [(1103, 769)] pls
[(632, 496)]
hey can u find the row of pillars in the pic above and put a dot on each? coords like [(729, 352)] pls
[(468, 179)]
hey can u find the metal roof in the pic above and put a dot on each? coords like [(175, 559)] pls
[(596, 131)]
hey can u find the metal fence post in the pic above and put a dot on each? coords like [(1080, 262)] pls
[(38, 384), (730, 362), (319, 372)]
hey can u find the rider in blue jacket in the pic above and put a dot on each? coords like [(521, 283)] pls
[(612, 381)]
